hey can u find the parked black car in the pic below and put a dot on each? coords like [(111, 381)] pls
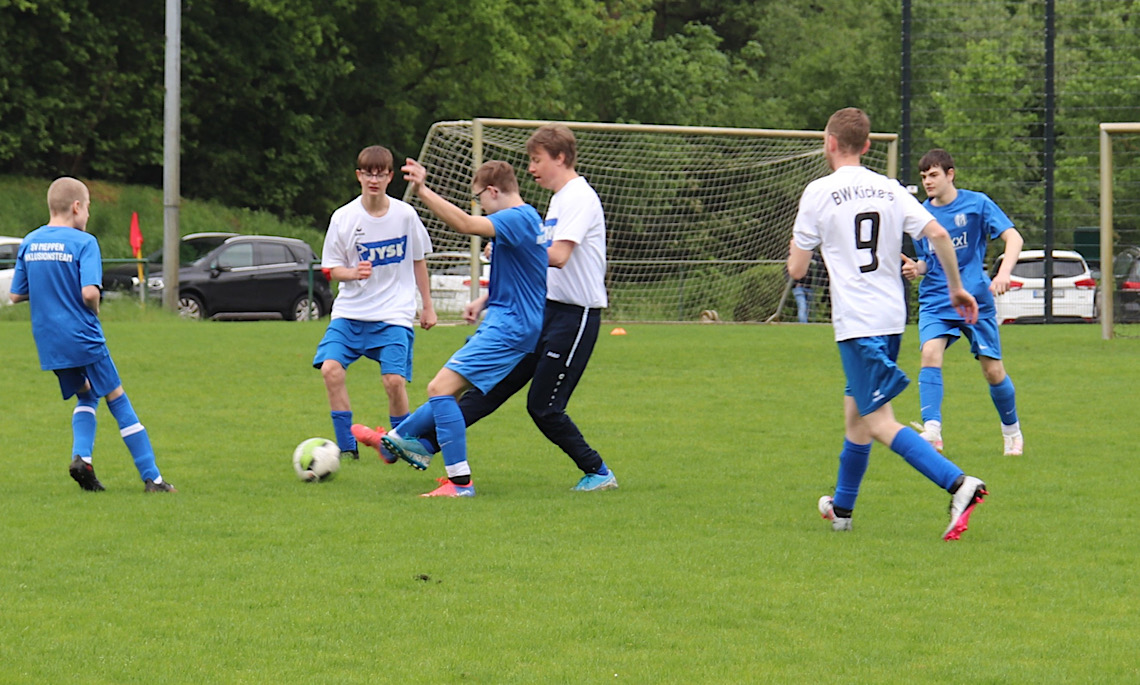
[(194, 246), (1126, 274), (252, 276)]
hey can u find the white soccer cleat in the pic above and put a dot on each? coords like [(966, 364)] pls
[(962, 504), (930, 434), (1014, 444), (827, 511)]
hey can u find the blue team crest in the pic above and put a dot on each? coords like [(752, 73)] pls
[(960, 220), (383, 251)]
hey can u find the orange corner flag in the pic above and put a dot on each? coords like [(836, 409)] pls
[(136, 236)]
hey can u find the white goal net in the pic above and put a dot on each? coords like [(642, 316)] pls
[(698, 219)]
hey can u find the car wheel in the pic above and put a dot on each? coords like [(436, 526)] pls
[(191, 307), (305, 310)]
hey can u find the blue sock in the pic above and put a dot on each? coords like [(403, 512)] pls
[(930, 393), (342, 426), (603, 470), (852, 465), (83, 425), (134, 435), (394, 421), (922, 456), (451, 433), (419, 422), (1004, 399)]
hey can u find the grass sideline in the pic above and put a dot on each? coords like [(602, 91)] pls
[(708, 565)]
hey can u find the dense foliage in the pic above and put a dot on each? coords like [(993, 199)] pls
[(279, 95)]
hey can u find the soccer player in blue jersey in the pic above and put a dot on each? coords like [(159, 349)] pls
[(59, 271), (972, 219), (510, 328), (576, 294), (857, 218)]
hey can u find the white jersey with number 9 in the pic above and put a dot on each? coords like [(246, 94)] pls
[(857, 218)]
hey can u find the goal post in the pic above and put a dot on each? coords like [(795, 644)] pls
[(698, 218), (1108, 315)]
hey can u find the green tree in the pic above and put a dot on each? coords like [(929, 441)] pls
[(76, 90)]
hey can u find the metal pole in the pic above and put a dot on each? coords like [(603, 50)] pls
[(904, 166), (171, 161), (1050, 34), (476, 208)]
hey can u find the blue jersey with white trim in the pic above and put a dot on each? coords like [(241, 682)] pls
[(53, 266), (972, 220), (516, 296)]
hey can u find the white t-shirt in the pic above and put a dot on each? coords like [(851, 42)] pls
[(575, 214), (857, 218), (392, 243)]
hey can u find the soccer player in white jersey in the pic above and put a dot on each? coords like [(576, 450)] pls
[(59, 271), (857, 218), (972, 219), (576, 295), (510, 327), (375, 248)]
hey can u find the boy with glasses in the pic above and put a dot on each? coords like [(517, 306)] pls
[(510, 328), (375, 249)]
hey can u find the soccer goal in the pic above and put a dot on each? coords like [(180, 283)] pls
[(698, 218), (1119, 302)]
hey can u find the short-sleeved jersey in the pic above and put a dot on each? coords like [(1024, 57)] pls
[(857, 218), (972, 220), (53, 266), (516, 296), (392, 243), (575, 214)]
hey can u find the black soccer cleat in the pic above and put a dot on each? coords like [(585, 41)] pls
[(84, 474), (164, 486)]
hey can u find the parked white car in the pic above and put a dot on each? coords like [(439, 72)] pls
[(1074, 289), (8, 248), (451, 280)]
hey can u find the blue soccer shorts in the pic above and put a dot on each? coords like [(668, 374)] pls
[(102, 375), (485, 359), (873, 377), (347, 340), (983, 335)]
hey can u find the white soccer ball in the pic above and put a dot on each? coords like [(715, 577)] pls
[(316, 459)]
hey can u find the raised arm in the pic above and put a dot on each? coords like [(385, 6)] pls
[(451, 215)]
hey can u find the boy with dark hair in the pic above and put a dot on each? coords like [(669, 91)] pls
[(375, 248), (972, 219)]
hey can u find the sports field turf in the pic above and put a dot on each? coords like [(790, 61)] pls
[(708, 565)]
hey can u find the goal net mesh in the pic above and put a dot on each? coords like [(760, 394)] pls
[(698, 220)]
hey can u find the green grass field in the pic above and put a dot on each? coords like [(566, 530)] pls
[(708, 565)]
